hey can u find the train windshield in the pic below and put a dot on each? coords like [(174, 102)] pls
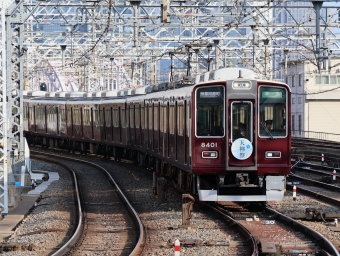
[(272, 112), (242, 120), (210, 111)]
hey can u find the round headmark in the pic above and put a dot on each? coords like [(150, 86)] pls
[(241, 149)]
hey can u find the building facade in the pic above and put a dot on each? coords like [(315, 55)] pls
[(315, 97)]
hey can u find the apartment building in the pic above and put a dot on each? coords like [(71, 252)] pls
[(315, 96)]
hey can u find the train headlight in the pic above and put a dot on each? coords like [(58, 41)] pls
[(273, 154), (241, 84), (209, 154)]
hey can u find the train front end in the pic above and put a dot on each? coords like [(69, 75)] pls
[(241, 137)]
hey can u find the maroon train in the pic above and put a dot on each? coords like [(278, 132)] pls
[(225, 136)]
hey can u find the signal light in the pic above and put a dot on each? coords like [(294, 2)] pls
[(43, 87), (209, 154), (273, 154)]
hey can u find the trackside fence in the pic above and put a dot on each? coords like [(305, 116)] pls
[(316, 135)]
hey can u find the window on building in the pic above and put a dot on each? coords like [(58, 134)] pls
[(293, 100), (293, 122), (293, 78), (300, 80), (300, 123), (322, 79), (110, 85), (299, 100)]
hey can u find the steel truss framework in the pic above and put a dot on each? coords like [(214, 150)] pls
[(85, 45)]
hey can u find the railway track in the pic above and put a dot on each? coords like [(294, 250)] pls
[(207, 234), (107, 223), (277, 234)]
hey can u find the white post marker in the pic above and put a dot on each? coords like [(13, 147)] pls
[(334, 175), (294, 193), (322, 158), (177, 248), (336, 222)]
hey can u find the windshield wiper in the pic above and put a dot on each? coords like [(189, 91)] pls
[(267, 131)]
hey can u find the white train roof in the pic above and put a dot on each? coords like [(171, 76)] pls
[(163, 90)]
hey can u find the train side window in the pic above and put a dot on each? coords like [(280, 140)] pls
[(161, 118), (172, 119), (210, 111), (107, 117), (69, 115), (122, 115), (150, 116), (180, 117), (156, 117), (165, 119), (137, 116), (115, 118), (142, 117), (272, 111)]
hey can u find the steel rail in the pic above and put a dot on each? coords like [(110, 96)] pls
[(74, 239)]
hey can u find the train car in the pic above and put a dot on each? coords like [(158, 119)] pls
[(226, 136)]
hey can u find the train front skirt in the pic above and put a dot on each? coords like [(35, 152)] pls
[(274, 192)]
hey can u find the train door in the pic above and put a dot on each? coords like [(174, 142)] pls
[(143, 125), (167, 129), (150, 126), (32, 120), (69, 121), (156, 127), (57, 118), (132, 135), (92, 123), (161, 129), (138, 124), (44, 108), (180, 134), (187, 118), (172, 132), (241, 136)]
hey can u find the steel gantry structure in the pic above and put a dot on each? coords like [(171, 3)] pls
[(91, 45)]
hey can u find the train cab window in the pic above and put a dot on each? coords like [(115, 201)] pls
[(272, 111), (241, 119), (210, 111)]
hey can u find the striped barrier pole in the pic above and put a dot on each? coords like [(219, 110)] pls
[(177, 248), (294, 193)]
